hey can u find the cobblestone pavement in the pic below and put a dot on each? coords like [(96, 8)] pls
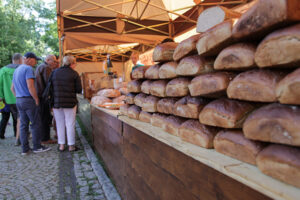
[(48, 175)]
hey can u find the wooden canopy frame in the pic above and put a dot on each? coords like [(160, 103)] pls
[(130, 23)]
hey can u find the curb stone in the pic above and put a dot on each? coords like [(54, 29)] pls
[(109, 190)]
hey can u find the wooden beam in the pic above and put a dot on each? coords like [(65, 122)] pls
[(120, 24), (142, 28), (97, 7), (136, 1), (146, 27), (139, 18), (169, 11), (85, 25), (178, 9), (90, 23)]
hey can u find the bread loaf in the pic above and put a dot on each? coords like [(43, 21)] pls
[(264, 16), (100, 100), (288, 89), (226, 113), (129, 99), (239, 56), (280, 48), (189, 107), (119, 99), (139, 73), (152, 72), (146, 85), (168, 70), (255, 85), (178, 87), (194, 65), (234, 144), (158, 119), (281, 162), (158, 88), (194, 132), (212, 16), (165, 105), (134, 112), (186, 47), (139, 99), (211, 83), (215, 39), (124, 109), (164, 52), (274, 123), (123, 90), (145, 116), (134, 86), (109, 93), (150, 104), (172, 125)]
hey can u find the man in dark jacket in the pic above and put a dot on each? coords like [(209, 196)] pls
[(42, 75)]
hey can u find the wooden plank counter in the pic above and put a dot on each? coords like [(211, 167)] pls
[(148, 163)]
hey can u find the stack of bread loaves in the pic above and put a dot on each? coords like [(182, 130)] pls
[(109, 97), (234, 87)]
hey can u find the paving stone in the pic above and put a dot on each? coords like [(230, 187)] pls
[(49, 175)]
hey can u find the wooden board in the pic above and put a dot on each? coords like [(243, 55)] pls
[(173, 175), (108, 143), (241, 172), (147, 163)]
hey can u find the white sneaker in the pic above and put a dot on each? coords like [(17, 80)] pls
[(42, 149)]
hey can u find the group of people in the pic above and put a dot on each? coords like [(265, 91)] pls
[(22, 88)]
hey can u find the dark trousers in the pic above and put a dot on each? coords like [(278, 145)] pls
[(14, 112), (3, 123), (46, 119), (29, 112), (5, 119)]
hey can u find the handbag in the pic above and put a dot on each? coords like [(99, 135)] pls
[(47, 95)]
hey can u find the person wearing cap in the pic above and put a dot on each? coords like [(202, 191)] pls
[(6, 76), (42, 75), (28, 104)]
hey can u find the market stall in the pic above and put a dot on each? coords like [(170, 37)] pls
[(216, 116)]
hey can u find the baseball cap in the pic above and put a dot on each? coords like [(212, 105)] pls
[(31, 55)]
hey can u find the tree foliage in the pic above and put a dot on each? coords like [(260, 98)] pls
[(27, 25)]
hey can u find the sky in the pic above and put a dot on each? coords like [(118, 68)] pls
[(48, 1)]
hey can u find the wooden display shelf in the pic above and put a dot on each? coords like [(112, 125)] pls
[(241, 172)]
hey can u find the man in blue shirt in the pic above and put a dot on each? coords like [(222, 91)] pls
[(27, 104)]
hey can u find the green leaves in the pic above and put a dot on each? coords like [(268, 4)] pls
[(27, 25)]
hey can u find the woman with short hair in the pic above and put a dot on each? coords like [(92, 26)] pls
[(66, 84)]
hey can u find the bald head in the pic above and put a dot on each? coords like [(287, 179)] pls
[(51, 61)]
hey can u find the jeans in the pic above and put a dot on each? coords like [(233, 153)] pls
[(29, 112)]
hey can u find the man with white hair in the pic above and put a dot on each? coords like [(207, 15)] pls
[(42, 75)]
